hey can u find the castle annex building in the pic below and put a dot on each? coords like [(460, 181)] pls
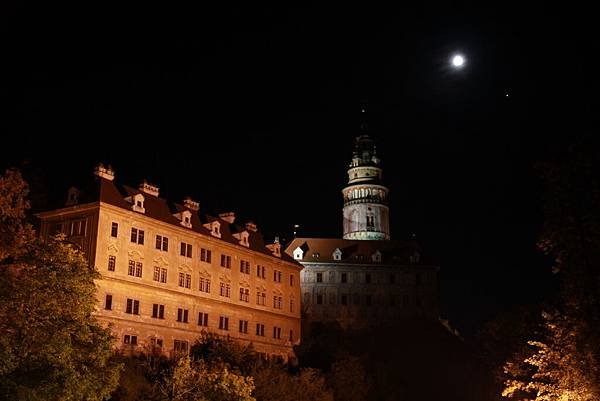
[(364, 278), (169, 273)]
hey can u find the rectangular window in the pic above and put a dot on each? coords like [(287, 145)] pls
[(181, 279), (367, 278), (162, 243), (319, 277), (156, 342), (243, 326), (138, 269), (260, 329), (156, 274), (261, 271), (158, 311), (277, 302), (112, 263), (78, 227), (180, 346), (244, 294), (225, 290), (131, 268), (204, 284), (182, 315), (185, 250), (319, 299), (114, 229), (202, 319), (276, 332), (129, 339), (108, 302), (137, 236), (188, 280), (261, 298), (291, 305), (133, 306), (223, 323), (163, 275), (205, 255), (291, 280), (226, 261), (344, 277), (244, 266), (277, 276)]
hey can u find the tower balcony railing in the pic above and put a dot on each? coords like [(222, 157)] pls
[(365, 199)]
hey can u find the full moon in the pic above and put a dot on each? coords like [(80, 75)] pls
[(458, 61)]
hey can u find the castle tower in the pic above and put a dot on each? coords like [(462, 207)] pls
[(366, 214)]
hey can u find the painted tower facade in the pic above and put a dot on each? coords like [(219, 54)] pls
[(366, 213)]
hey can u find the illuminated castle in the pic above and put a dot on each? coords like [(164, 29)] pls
[(364, 278)]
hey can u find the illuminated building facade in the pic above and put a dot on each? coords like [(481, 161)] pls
[(364, 278), (169, 273)]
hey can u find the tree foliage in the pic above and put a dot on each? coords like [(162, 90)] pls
[(202, 381), (51, 346), (557, 367), (213, 348), (274, 383), (15, 233)]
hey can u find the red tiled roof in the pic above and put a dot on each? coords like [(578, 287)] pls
[(158, 208), (354, 251)]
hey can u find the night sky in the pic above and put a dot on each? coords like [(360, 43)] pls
[(254, 109)]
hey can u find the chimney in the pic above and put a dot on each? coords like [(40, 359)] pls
[(104, 172), (148, 188), (190, 204), (228, 217), (251, 226)]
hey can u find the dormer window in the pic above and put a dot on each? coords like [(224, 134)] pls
[(186, 219), (138, 203), (337, 254), (243, 238), (275, 248), (298, 253), (214, 227)]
